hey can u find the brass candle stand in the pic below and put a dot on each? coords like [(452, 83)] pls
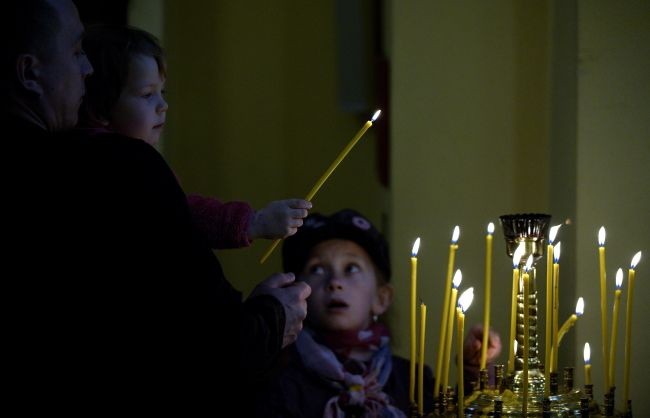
[(506, 398)]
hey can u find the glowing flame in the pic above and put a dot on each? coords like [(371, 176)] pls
[(587, 353), (529, 263), (635, 260), (601, 236), (580, 306), (516, 344), (458, 277), (556, 252), (490, 228), (416, 247), (375, 116), (619, 278), (519, 252), (465, 299), (455, 235), (552, 233)]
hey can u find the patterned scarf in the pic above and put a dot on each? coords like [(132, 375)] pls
[(360, 383)]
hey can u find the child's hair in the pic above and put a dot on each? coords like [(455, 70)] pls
[(110, 49), (346, 224)]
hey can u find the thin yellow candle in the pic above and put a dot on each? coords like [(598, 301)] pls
[(631, 274), (603, 301), (488, 292), (423, 321), (516, 258), (587, 355), (328, 172), (445, 307), (549, 307), (612, 346), (458, 278), (556, 303), (414, 285), (526, 286), (464, 301), (580, 309)]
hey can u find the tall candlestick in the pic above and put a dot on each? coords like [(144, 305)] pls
[(414, 285), (516, 258), (423, 321), (580, 309), (556, 302), (549, 307), (445, 306), (603, 302), (464, 301), (587, 356), (458, 277), (488, 292), (526, 285), (612, 346), (628, 328), (328, 172)]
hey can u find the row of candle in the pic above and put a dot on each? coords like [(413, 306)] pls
[(450, 311), (554, 336)]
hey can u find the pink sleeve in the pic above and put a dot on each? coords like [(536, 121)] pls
[(223, 225)]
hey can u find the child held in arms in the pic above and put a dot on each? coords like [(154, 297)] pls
[(126, 95), (341, 364)]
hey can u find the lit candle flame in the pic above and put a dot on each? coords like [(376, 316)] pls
[(529, 263), (619, 278), (455, 235), (458, 277), (635, 260), (375, 116), (416, 247), (490, 228), (601, 236), (556, 252), (587, 353), (552, 233), (516, 344), (519, 252), (465, 299), (580, 306)]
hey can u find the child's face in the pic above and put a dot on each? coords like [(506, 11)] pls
[(140, 110), (344, 287)]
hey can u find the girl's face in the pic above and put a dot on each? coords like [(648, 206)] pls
[(140, 110), (345, 293)]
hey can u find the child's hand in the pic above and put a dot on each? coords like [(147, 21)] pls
[(473, 343), (279, 219)]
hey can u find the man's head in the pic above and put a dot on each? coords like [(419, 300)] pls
[(43, 63)]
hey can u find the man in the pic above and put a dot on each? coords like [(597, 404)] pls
[(114, 300)]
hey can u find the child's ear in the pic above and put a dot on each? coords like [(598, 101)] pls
[(383, 299), (28, 68)]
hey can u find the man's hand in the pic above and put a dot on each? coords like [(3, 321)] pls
[(293, 296)]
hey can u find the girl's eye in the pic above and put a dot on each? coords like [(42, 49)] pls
[(352, 268), (147, 95), (316, 270)]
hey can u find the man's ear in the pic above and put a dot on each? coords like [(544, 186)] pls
[(28, 69)]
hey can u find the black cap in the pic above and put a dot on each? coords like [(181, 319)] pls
[(346, 224)]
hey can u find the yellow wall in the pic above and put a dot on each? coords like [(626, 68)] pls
[(254, 113), (470, 141), (613, 143)]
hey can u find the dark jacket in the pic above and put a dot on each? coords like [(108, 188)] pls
[(299, 393), (113, 299)]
